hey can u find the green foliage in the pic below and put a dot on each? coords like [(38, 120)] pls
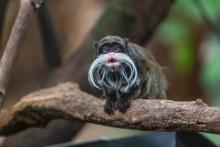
[(178, 33)]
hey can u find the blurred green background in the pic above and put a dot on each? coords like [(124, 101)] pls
[(178, 30)]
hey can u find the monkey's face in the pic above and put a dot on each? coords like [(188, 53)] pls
[(112, 68)]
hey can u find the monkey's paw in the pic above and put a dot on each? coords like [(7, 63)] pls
[(123, 105), (109, 109)]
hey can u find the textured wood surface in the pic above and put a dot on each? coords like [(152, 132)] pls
[(69, 102)]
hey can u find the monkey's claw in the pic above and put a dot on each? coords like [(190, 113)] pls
[(108, 108), (123, 106)]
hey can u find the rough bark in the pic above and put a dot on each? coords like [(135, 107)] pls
[(69, 102)]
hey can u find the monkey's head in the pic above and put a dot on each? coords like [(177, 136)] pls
[(112, 68)]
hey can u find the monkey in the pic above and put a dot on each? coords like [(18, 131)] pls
[(124, 71)]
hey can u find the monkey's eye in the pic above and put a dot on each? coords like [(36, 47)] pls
[(105, 49), (117, 48)]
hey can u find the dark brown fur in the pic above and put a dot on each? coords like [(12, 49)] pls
[(151, 82)]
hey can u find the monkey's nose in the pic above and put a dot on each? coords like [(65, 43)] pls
[(112, 54)]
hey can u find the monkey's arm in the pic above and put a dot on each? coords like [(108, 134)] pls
[(110, 97)]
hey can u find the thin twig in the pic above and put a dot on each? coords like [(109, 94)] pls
[(15, 40), (51, 48), (69, 102)]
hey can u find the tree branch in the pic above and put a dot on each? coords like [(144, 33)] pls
[(67, 101), (51, 48), (12, 48)]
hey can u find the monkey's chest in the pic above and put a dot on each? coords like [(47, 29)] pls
[(116, 85), (131, 93)]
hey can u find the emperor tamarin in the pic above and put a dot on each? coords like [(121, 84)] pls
[(124, 71)]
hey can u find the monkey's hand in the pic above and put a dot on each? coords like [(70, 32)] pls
[(110, 106), (123, 104)]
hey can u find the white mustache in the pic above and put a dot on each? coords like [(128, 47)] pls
[(98, 74)]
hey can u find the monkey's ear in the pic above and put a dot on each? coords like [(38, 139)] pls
[(126, 43), (95, 44)]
